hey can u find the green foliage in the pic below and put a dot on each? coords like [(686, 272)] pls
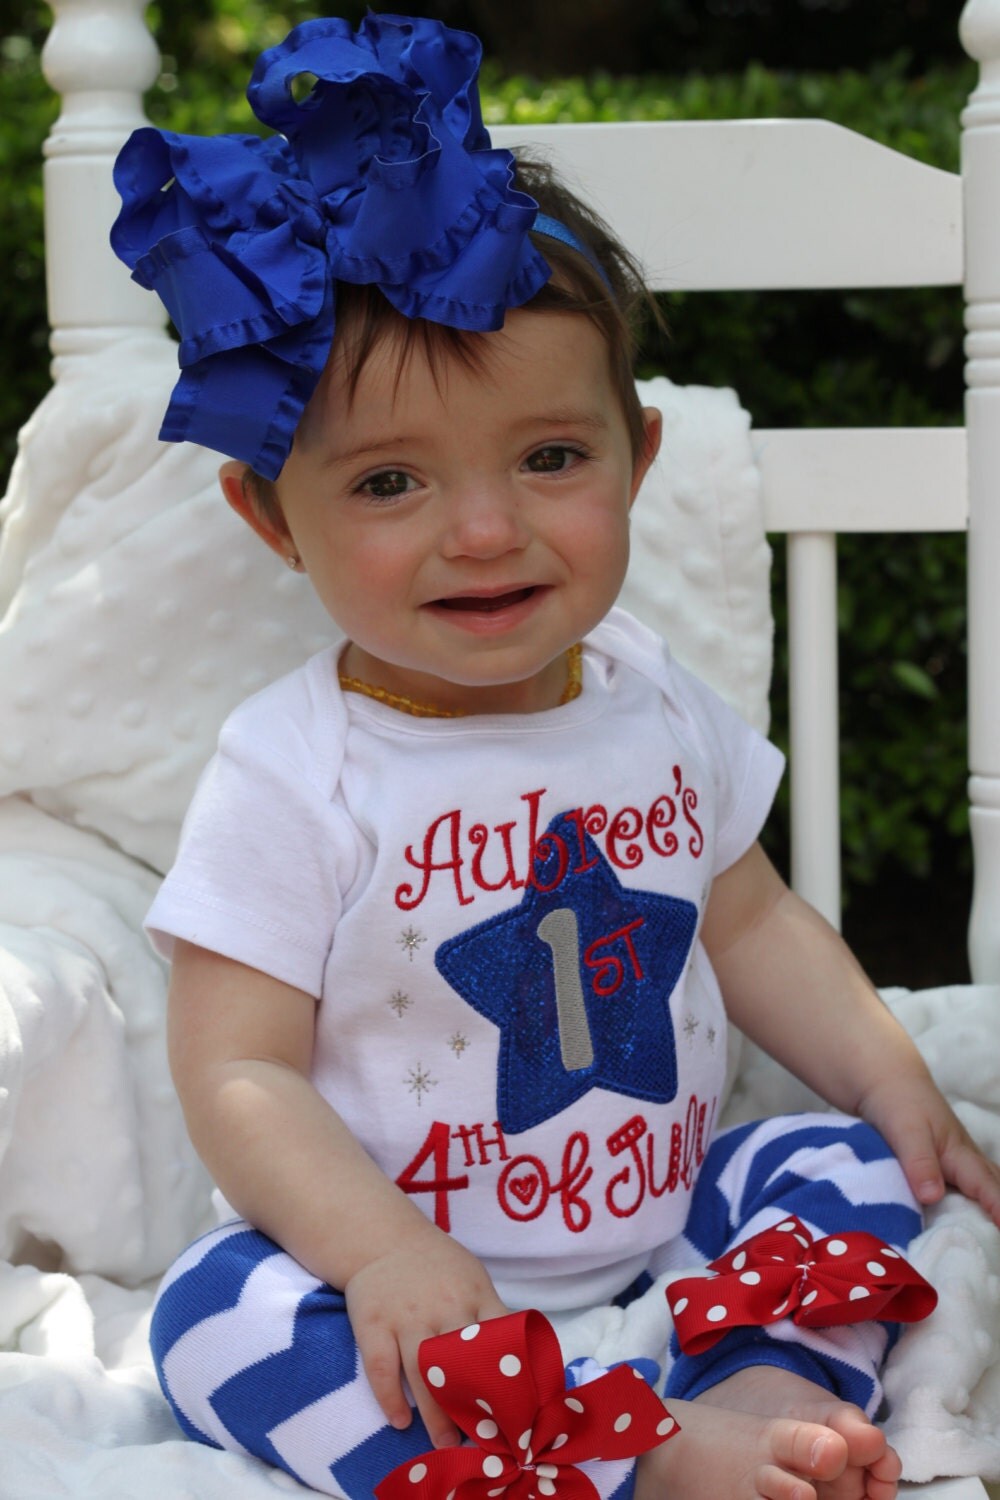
[(917, 115), (819, 358), (27, 110), (207, 56)]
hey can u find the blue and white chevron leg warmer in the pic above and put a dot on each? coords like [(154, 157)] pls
[(835, 1174), (257, 1356)]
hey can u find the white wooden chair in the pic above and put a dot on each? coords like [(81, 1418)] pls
[(708, 206)]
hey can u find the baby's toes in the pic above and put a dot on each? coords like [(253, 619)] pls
[(866, 1444), (772, 1483), (815, 1452), (851, 1485), (883, 1477)]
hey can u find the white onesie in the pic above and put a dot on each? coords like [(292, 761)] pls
[(499, 918)]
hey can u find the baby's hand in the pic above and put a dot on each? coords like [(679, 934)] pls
[(932, 1145), (428, 1286)]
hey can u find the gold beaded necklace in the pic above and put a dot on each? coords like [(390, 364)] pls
[(574, 681)]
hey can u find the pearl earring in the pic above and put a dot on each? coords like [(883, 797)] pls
[(293, 561)]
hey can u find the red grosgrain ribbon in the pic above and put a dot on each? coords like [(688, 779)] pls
[(784, 1273), (503, 1383)]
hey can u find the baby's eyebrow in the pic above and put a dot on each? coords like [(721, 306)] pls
[(365, 448), (567, 416)]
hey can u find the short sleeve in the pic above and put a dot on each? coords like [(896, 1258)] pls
[(746, 767), (266, 853)]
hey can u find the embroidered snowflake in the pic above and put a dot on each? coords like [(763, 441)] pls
[(711, 1034), (458, 1043), (399, 1001), (409, 940), (419, 1082), (690, 1027)]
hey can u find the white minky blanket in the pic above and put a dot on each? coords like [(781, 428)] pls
[(134, 612)]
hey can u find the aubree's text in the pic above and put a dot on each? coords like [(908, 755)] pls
[(475, 857)]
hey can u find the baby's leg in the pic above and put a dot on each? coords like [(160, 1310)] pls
[(257, 1357), (835, 1174)]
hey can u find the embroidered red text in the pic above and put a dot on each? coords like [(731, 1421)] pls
[(641, 1165), (480, 858)]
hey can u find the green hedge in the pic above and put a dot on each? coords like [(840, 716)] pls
[(27, 111), (820, 358)]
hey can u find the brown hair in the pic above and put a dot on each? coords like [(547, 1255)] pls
[(618, 307)]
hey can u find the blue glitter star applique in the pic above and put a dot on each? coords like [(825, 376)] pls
[(578, 980)]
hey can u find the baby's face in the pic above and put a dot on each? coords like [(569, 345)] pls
[(466, 526)]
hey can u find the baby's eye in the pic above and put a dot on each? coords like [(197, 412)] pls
[(553, 459), (386, 485)]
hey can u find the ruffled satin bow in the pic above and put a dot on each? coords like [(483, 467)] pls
[(382, 175), (502, 1382), (784, 1273)]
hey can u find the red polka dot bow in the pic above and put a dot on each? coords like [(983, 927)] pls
[(503, 1383), (783, 1272)]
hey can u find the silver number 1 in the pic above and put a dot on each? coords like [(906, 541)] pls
[(560, 931)]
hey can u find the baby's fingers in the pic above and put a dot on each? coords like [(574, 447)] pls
[(381, 1359), (974, 1175), (441, 1429), (916, 1150)]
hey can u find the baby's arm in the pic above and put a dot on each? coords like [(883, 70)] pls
[(792, 984), (240, 1050)]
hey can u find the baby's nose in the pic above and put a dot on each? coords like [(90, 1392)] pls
[(484, 520)]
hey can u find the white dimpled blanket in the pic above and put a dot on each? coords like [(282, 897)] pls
[(135, 611)]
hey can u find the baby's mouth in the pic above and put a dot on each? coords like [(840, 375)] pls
[(487, 604)]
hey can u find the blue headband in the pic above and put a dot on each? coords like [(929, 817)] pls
[(383, 176)]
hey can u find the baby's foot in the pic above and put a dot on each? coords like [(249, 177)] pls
[(844, 1457), (739, 1455)]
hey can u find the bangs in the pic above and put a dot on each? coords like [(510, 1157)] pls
[(365, 320)]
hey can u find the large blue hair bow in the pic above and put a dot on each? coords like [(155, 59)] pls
[(383, 175)]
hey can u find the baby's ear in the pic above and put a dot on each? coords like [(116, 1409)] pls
[(652, 419), (266, 520)]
